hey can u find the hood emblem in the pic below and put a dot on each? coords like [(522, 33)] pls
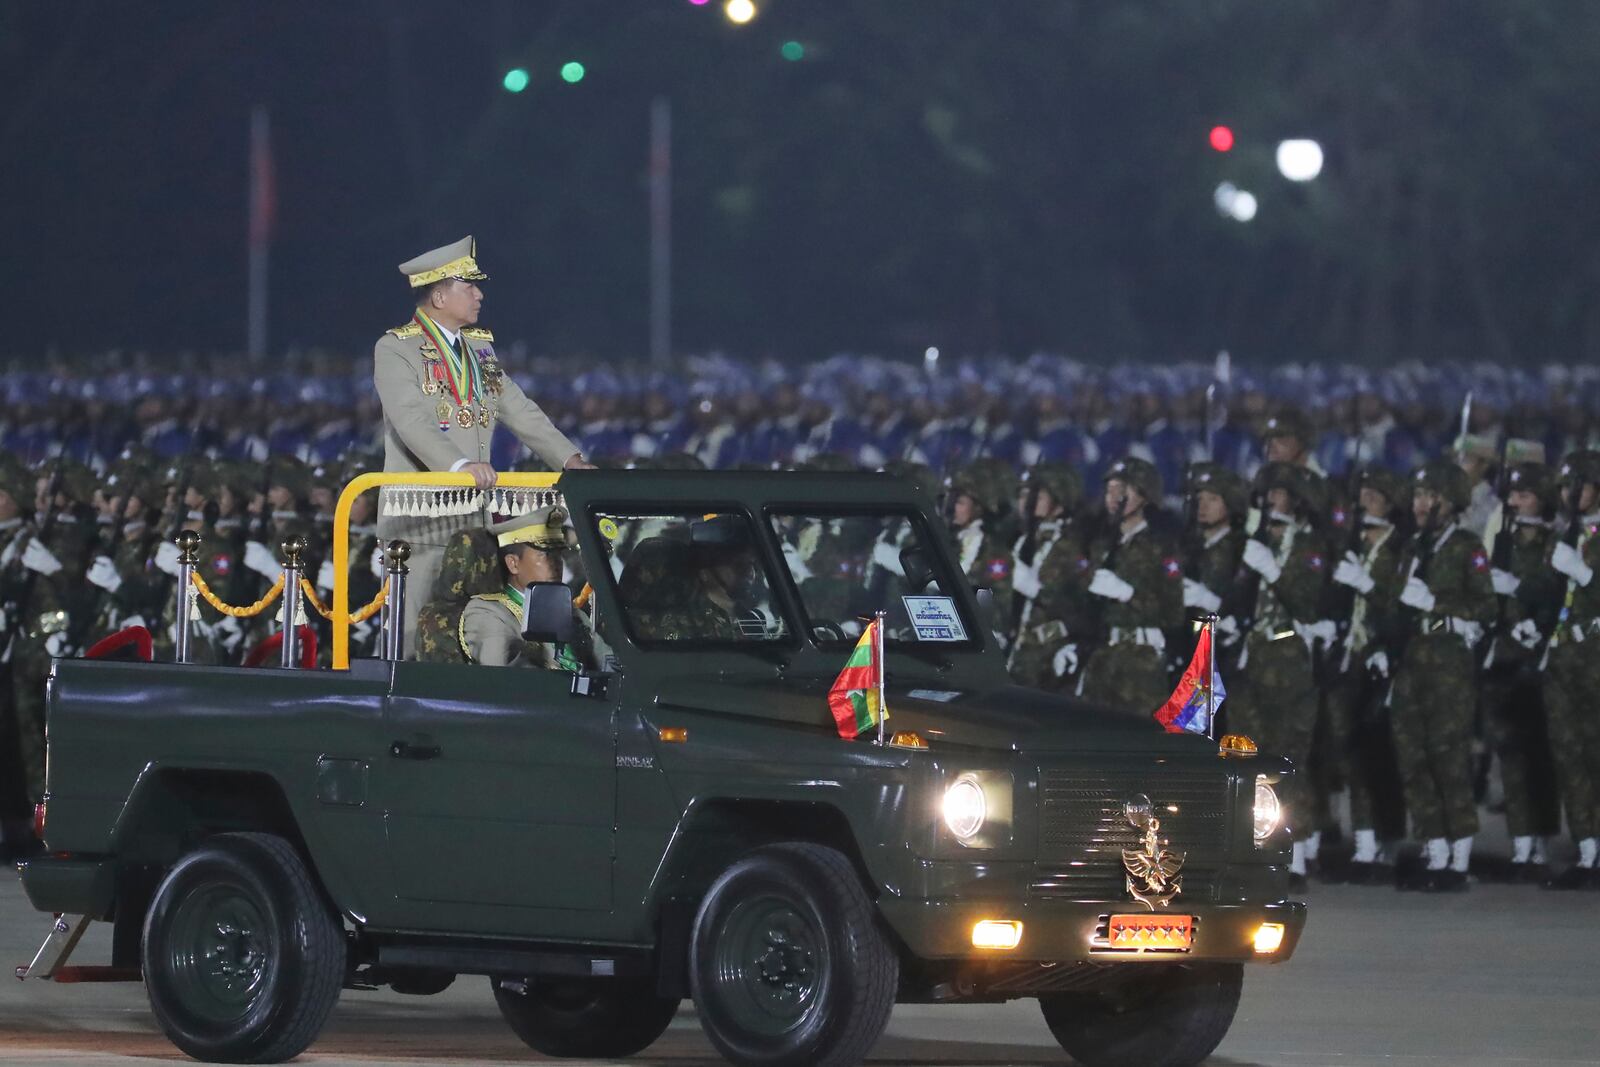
[(1152, 870)]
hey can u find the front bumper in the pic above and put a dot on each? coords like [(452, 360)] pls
[(1067, 931)]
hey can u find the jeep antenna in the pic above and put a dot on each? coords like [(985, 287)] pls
[(877, 656)]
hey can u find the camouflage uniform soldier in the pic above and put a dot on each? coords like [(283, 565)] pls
[(1572, 670), (58, 556), (16, 491), (1275, 700), (1052, 606), (1449, 589), (134, 592), (975, 505), (1513, 719), (1140, 592), (1213, 546), (1359, 734)]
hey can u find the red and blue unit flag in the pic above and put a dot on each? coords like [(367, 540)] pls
[(1192, 702)]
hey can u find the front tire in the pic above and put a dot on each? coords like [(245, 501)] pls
[(606, 1018), (243, 960), (787, 963), (1174, 1018)]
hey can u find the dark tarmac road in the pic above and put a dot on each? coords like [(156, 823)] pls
[(1496, 976)]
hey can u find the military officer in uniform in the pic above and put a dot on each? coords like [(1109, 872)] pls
[(1213, 545), (1137, 580), (1451, 596), (975, 505), (1051, 579), (443, 392), (491, 624), (1572, 669)]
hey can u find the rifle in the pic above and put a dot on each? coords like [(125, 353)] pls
[(1026, 552), (1419, 564), (1113, 534), (1569, 537), (1246, 589), (80, 627)]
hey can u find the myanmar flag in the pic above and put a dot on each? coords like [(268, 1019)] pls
[(856, 697), (1190, 705)]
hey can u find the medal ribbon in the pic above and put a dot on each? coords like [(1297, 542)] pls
[(463, 367)]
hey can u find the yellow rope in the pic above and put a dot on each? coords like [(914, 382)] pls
[(257, 608), (355, 616)]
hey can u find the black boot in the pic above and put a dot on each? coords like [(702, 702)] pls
[(1445, 881), (1574, 877)]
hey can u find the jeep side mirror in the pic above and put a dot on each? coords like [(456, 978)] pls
[(547, 612)]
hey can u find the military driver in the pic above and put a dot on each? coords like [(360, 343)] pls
[(491, 624)]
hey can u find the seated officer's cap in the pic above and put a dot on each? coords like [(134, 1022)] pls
[(456, 260), (544, 528)]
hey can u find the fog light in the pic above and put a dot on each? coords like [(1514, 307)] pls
[(1000, 933), (1269, 937)]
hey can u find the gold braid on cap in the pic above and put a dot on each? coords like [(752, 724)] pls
[(465, 268), (549, 536)]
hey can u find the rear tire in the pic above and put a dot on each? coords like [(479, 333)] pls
[(243, 959), (606, 1018), (787, 963), (1174, 1018)]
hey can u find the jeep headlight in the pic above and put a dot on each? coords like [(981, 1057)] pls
[(1268, 810), (965, 808)]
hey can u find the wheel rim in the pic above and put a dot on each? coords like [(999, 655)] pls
[(219, 953), (768, 965)]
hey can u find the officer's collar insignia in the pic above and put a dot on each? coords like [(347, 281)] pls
[(1153, 878)]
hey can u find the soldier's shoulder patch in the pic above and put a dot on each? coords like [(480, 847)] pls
[(1340, 517), (1315, 561), (1171, 567), (477, 333), (410, 329), (1480, 560), (1083, 563), (999, 568), (223, 565)]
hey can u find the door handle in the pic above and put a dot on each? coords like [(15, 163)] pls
[(414, 750)]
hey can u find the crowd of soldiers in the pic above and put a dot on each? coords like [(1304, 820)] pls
[(1401, 605)]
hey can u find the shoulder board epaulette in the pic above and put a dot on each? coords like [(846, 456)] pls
[(410, 329), (477, 333)]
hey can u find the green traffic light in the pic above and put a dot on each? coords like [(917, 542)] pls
[(572, 73), (793, 51), (516, 80)]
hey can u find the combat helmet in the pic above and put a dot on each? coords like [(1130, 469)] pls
[(1305, 487), (1061, 480), (989, 495), (1581, 467), (1535, 478), (1395, 489), (1446, 479), (1215, 478), (1139, 473), (1288, 422)]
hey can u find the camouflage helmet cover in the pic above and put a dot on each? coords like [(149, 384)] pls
[(1061, 480), (1396, 490), (1581, 466), (1215, 478), (1288, 422), (1446, 479), (1140, 474), (1535, 478)]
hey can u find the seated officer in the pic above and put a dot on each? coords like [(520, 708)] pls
[(491, 623)]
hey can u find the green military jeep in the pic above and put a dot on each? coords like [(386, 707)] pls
[(683, 818)]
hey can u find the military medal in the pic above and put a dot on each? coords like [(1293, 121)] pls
[(443, 411), (430, 387), (484, 417), (464, 417)]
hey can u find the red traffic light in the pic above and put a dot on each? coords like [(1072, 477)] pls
[(1221, 138)]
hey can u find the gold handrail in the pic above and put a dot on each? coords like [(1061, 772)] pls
[(341, 532)]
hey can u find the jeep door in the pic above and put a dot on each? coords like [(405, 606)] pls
[(498, 798)]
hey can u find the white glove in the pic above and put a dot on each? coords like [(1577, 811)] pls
[(379, 564), (1065, 661), (1526, 634), (1566, 559), (1196, 595), (887, 556), (167, 558), (56, 645), (1105, 583), (260, 560), (1417, 595), (1322, 630), (1505, 583), (135, 620), (228, 633), (325, 575), (797, 566), (103, 573), (1025, 580), (36, 557), (1378, 663), (1259, 558), (1228, 629), (1350, 572)]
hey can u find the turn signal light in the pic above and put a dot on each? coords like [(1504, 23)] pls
[(1269, 938), (1236, 745), (997, 933), (38, 820), (674, 735), (907, 739)]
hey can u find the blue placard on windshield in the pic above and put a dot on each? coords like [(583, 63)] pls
[(935, 618)]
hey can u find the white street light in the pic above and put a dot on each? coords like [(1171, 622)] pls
[(1244, 206), (1299, 160), (740, 11), (1234, 203)]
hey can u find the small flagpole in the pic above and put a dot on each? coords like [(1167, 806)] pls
[(877, 655), (1211, 677)]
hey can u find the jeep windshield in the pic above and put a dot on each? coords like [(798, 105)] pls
[(850, 565), (693, 578)]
